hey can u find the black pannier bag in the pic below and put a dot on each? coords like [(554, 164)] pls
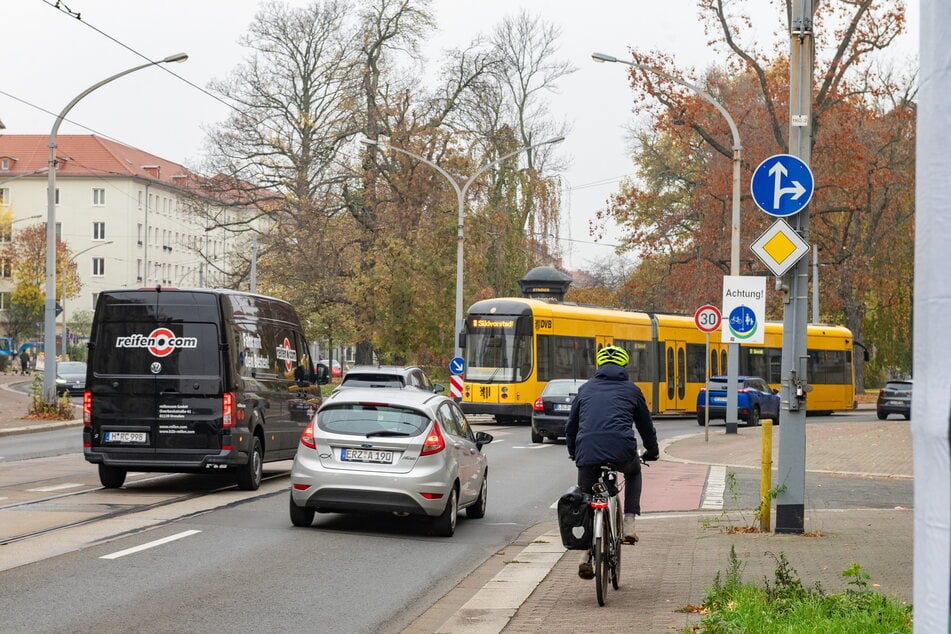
[(575, 519)]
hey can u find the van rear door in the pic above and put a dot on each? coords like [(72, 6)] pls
[(156, 376)]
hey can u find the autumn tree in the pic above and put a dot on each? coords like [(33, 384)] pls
[(27, 255), (678, 212)]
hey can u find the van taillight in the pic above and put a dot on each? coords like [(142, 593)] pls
[(227, 409), (434, 442), (307, 438), (87, 408)]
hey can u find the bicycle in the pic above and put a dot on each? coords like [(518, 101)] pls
[(608, 530)]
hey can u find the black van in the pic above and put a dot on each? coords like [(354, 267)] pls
[(195, 380)]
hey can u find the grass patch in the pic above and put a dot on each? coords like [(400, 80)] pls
[(786, 605)]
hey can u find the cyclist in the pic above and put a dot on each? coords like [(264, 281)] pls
[(600, 431)]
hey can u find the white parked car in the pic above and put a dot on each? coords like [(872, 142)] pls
[(391, 451)]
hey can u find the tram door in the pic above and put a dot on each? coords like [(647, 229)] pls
[(676, 379)]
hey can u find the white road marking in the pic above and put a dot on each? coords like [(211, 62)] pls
[(716, 486), (157, 542), (531, 446), (57, 487)]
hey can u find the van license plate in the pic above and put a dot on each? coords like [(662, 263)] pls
[(126, 436), (366, 455)]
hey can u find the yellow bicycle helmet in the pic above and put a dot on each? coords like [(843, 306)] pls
[(612, 354)]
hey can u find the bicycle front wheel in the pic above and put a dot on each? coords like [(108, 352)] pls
[(602, 558)]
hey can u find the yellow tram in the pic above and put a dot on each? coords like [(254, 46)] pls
[(514, 346)]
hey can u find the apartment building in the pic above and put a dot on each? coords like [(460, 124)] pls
[(127, 216)]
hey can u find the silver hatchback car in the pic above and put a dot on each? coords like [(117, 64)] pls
[(393, 451)]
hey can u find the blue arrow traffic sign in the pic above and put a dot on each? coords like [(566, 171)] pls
[(457, 365), (782, 185)]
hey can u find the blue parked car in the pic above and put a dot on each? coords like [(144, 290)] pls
[(755, 400)]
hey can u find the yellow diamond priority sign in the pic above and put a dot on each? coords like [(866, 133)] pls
[(780, 247)]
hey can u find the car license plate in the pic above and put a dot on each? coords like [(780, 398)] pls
[(126, 436), (561, 407), (366, 455), (718, 401)]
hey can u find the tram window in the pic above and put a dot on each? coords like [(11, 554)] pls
[(670, 373), (565, 357), (714, 365), (828, 366), (696, 365), (639, 369), (755, 362), (723, 361)]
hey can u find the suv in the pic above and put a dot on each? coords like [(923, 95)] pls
[(754, 400), (396, 376), (894, 398)]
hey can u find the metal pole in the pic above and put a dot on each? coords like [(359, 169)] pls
[(254, 263), (49, 315), (733, 348), (790, 502), (460, 204)]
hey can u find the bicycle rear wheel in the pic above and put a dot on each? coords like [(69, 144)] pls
[(602, 558), (616, 539)]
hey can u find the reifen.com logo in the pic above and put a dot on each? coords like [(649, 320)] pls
[(161, 342), (287, 354)]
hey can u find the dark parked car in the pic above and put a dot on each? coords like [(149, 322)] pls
[(550, 412), (398, 376), (755, 400), (71, 377), (894, 398)]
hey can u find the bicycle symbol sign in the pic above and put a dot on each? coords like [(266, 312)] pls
[(742, 322), (782, 185)]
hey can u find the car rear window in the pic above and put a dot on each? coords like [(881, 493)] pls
[(130, 347), (372, 380), (899, 386), (369, 419), (562, 389)]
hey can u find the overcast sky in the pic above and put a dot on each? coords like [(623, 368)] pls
[(51, 57)]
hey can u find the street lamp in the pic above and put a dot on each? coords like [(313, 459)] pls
[(732, 348), (460, 201), (49, 317), (63, 294)]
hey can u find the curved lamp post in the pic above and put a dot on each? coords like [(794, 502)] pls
[(49, 315), (63, 294), (460, 201), (732, 348)]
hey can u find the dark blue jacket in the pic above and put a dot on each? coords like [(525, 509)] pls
[(601, 423)]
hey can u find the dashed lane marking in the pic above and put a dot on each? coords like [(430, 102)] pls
[(157, 542)]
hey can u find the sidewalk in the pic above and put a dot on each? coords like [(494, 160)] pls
[(14, 405), (536, 587)]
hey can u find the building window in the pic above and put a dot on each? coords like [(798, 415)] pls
[(56, 196), (98, 197), (6, 232), (6, 268), (4, 300), (140, 199), (59, 229), (4, 196), (98, 231), (138, 235), (4, 164), (98, 267)]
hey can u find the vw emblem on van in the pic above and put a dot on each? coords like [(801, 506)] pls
[(156, 367)]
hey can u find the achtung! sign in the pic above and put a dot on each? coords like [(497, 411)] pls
[(744, 309)]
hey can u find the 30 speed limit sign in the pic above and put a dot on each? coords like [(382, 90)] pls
[(707, 318)]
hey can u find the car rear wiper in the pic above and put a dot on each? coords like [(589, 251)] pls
[(387, 432)]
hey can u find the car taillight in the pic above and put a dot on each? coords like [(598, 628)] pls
[(87, 408), (434, 442), (742, 390), (227, 409), (307, 437), (539, 406)]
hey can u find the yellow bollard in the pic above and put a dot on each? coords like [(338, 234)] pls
[(766, 474)]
